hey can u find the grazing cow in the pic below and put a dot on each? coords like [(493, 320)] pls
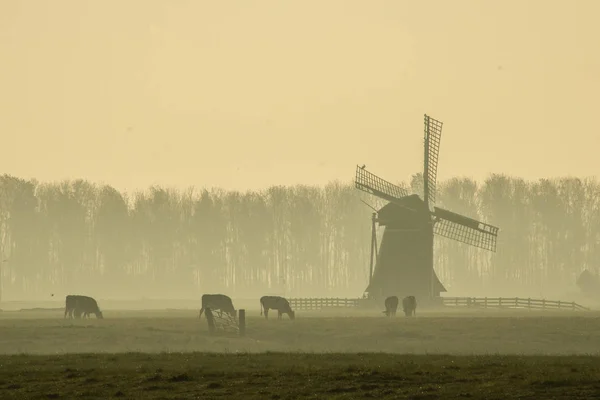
[(409, 305), (82, 305), (391, 305), (276, 303), (88, 305), (70, 303), (217, 302)]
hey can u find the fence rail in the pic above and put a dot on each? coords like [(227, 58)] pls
[(511, 302), (481, 302), (318, 303)]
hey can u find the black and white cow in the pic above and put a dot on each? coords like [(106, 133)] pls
[(276, 303), (391, 305), (409, 305), (218, 302)]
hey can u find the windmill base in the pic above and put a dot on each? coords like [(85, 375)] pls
[(422, 303)]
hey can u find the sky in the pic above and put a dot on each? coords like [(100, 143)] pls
[(247, 94)]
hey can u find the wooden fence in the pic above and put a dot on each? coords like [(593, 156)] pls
[(511, 302), (317, 304), (481, 302)]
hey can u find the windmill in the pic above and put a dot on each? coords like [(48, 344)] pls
[(404, 262)]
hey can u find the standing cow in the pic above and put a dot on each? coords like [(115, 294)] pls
[(82, 305), (276, 303), (391, 305), (409, 305), (217, 302), (70, 302)]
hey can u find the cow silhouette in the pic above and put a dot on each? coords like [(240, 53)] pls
[(391, 305), (82, 306), (217, 302), (409, 305), (276, 303)]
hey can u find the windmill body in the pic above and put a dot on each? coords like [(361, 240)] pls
[(404, 263)]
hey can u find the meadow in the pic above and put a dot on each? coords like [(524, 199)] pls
[(457, 332), (321, 354), (292, 376)]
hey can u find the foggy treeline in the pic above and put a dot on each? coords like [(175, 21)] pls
[(77, 237)]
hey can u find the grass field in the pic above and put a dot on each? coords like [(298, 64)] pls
[(169, 354), (460, 333), (286, 376)]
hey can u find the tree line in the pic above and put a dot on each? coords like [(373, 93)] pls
[(78, 237)]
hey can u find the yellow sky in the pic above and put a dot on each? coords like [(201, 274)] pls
[(245, 94)]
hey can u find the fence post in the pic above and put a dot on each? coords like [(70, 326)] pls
[(516, 302), (485, 302), (242, 321), (543, 304), (499, 302), (529, 303), (211, 321), (559, 304)]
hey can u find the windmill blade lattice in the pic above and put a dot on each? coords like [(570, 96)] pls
[(432, 138), (371, 183), (464, 229)]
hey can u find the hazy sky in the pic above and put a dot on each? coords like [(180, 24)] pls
[(245, 94)]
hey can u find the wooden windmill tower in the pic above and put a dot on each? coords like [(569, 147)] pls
[(404, 262)]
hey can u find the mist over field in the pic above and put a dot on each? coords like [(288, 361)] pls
[(300, 241), (459, 331)]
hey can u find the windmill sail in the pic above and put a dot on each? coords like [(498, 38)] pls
[(432, 138), (371, 183), (465, 229)]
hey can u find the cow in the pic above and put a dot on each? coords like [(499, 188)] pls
[(70, 303), (82, 305), (276, 303), (217, 302), (88, 305), (409, 305), (391, 305)]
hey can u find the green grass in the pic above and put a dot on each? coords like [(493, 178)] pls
[(169, 354), (510, 332), (291, 376)]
